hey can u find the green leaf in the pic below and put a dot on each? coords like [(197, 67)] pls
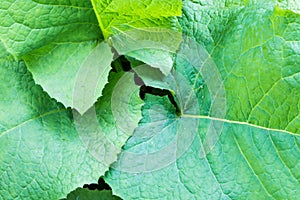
[(246, 160), (57, 39), (118, 15), (285, 4), (85, 194), (290, 5), (155, 47), (238, 88), (151, 76), (28, 25), (142, 29), (3, 53), (44, 152), (72, 73)]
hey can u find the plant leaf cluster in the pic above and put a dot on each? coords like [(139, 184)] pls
[(162, 99)]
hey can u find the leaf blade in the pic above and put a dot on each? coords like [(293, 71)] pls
[(30, 25), (73, 74), (222, 148), (42, 148)]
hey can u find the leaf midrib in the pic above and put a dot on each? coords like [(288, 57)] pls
[(237, 123), (31, 119), (104, 31)]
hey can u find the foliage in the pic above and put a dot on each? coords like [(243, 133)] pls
[(216, 116)]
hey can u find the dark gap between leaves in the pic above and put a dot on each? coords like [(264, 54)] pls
[(101, 185), (123, 64), (159, 92)]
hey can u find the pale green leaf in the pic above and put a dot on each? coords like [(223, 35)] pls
[(150, 76), (238, 89), (57, 39), (72, 73), (44, 152), (154, 46), (293, 5), (285, 4)]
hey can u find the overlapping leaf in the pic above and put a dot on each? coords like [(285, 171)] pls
[(246, 160), (238, 132), (133, 27), (74, 74), (58, 40), (44, 152), (236, 82)]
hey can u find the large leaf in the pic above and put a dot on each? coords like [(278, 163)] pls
[(237, 137), (58, 40), (163, 161), (72, 73), (133, 27), (44, 150), (28, 25)]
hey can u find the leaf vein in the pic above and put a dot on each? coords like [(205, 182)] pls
[(29, 120), (237, 122), (251, 167)]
